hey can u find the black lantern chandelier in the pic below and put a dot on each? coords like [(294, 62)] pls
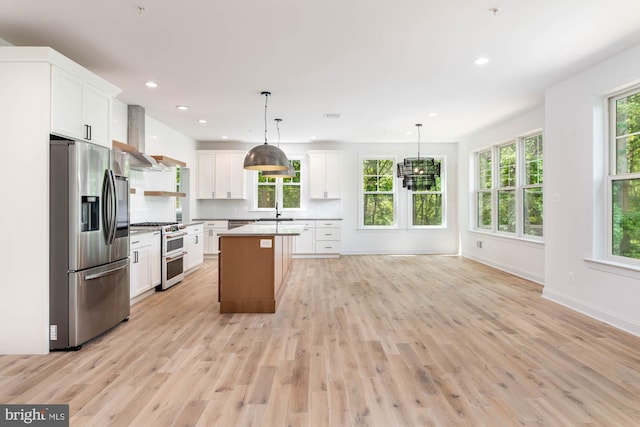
[(419, 173)]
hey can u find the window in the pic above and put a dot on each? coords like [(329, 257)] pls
[(427, 207), (483, 193), (532, 187), (284, 191), (625, 175), (378, 192), (509, 190)]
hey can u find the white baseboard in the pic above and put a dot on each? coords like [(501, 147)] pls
[(516, 272), (598, 313)]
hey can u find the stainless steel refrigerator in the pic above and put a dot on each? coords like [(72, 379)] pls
[(89, 242)]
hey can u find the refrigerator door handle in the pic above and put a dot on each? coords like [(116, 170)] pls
[(114, 207), (109, 206), (104, 273)]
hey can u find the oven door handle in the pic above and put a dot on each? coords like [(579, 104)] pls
[(169, 259), (173, 236)]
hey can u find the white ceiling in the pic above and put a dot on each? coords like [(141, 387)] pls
[(384, 65)]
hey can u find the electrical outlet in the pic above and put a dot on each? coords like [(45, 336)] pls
[(479, 244), (53, 332)]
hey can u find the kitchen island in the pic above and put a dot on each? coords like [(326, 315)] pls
[(252, 266)]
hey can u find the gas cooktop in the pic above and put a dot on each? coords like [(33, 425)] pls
[(153, 224)]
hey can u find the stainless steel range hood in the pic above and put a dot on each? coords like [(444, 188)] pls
[(136, 136)]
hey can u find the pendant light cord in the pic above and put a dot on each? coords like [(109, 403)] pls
[(418, 125), (278, 128), (266, 99)]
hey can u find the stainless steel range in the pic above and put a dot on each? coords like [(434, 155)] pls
[(173, 251)]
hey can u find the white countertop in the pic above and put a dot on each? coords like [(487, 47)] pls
[(257, 229)]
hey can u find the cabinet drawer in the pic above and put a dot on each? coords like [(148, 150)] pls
[(194, 229), (328, 247), (140, 240), (328, 224), (327, 234), (305, 224), (217, 224)]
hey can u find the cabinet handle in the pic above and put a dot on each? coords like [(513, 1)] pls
[(325, 194), (87, 132), (228, 194), (213, 194), (196, 240), (135, 257), (137, 241)]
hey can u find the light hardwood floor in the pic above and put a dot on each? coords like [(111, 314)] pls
[(360, 340)]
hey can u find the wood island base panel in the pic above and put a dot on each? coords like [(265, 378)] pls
[(252, 271)]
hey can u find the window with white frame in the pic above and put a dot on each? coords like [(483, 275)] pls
[(427, 207), (484, 189), (285, 191), (624, 175), (378, 192), (509, 190)]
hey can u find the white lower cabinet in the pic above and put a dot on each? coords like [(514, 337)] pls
[(144, 262), (194, 246), (318, 238), (211, 230)]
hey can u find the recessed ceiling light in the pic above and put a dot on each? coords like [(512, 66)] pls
[(152, 136), (331, 115), (202, 121), (313, 137), (408, 133), (182, 107), (433, 114), (225, 137), (481, 61), (151, 84)]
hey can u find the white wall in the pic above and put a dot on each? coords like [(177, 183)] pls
[(574, 196), (161, 140), (354, 240), (24, 262), (519, 257)]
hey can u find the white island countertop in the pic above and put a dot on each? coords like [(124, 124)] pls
[(256, 229)]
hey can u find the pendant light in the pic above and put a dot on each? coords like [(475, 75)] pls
[(266, 157), (290, 172), (418, 173)]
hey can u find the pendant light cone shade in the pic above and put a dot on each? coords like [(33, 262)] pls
[(266, 157), (290, 172)]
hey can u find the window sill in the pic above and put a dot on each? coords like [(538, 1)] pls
[(528, 241), (632, 271)]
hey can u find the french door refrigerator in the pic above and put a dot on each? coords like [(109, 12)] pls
[(89, 242)]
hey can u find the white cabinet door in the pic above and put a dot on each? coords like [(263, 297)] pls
[(332, 176), (78, 110), (66, 104), (194, 247), (206, 167), (324, 175), (305, 242), (155, 259), (229, 176), (237, 176), (140, 273), (96, 107)]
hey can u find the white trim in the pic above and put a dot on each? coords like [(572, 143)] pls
[(628, 325), (506, 268)]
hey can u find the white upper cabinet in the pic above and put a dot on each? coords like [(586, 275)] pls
[(79, 110), (221, 175), (324, 174)]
